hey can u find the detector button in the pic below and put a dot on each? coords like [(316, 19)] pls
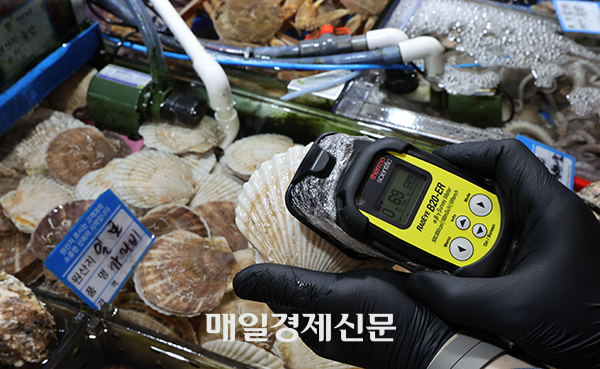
[(479, 230), (462, 222), (461, 249), (480, 205)]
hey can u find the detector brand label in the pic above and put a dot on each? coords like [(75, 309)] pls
[(100, 251)]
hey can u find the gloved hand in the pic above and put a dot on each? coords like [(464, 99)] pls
[(549, 302), (418, 336)]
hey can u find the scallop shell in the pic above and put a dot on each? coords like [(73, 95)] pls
[(178, 139), (169, 218), (220, 217), (32, 150), (96, 182), (244, 156), (9, 179), (200, 164), (223, 170), (280, 238), (246, 353), (33, 199), (7, 227), (243, 258), (173, 326), (77, 151), (27, 329), (118, 144), (239, 308), (18, 259), (215, 187), (184, 274), (297, 355), (55, 226), (150, 178)]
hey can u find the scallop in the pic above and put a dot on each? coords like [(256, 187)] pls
[(96, 182), (184, 274), (118, 144), (55, 226), (262, 216), (238, 308), (215, 187), (17, 258), (297, 355), (77, 151), (243, 258), (246, 353), (178, 139), (220, 217), (150, 178), (7, 227), (9, 179), (32, 150), (33, 199), (244, 156), (141, 314), (169, 218), (200, 164), (27, 329)]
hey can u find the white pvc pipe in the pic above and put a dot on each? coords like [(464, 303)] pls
[(209, 71), (424, 47), (384, 37)]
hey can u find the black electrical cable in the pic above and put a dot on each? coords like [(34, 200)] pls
[(120, 44)]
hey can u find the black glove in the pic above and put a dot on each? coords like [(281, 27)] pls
[(418, 336), (549, 302)]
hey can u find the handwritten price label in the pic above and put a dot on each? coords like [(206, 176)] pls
[(101, 250)]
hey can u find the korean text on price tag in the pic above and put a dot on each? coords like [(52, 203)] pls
[(578, 16), (100, 251)]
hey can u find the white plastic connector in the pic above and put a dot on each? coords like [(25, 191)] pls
[(424, 47), (384, 37), (209, 71)]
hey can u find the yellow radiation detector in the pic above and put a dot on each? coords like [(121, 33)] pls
[(403, 204)]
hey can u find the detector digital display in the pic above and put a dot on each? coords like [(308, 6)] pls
[(411, 206)]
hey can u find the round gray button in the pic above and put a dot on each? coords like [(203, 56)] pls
[(479, 230), (462, 222), (480, 205), (461, 249)]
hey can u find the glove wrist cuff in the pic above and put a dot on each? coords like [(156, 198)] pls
[(467, 350)]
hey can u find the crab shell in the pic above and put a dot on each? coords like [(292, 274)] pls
[(184, 274)]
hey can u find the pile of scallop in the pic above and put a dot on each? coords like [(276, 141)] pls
[(185, 190)]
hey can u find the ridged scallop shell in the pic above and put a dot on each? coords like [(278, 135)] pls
[(239, 308), (280, 238), (184, 274), (96, 182), (118, 143), (223, 170), (17, 258), (173, 326), (246, 353), (9, 179), (178, 139), (243, 258), (297, 355), (32, 150), (169, 218), (77, 151), (200, 164), (33, 199), (55, 226), (220, 217), (7, 227), (244, 156), (215, 187), (150, 178)]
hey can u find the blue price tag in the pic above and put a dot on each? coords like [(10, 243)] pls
[(560, 165), (100, 251), (578, 16)]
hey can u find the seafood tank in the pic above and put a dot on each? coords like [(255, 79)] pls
[(215, 209)]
